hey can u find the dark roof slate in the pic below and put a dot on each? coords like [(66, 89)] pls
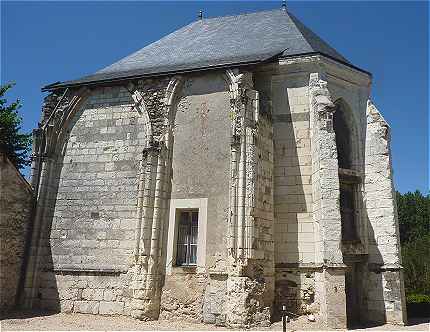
[(216, 42)]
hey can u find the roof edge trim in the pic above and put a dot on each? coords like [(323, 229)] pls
[(59, 85)]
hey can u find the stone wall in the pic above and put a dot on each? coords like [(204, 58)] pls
[(294, 226), (200, 166), (91, 207), (94, 209), (295, 288), (183, 298), (201, 155), (16, 203), (263, 238)]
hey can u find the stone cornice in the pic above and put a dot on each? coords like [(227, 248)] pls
[(305, 64)]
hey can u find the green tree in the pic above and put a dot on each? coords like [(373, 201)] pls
[(416, 264), (414, 215), (414, 224), (14, 143)]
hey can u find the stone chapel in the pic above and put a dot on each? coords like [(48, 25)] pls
[(234, 166)]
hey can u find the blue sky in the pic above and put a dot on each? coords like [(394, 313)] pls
[(44, 42)]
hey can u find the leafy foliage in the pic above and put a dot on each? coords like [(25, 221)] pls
[(414, 215), (414, 224), (15, 144), (418, 298), (416, 263)]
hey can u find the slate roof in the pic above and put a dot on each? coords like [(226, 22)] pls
[(217, 42)]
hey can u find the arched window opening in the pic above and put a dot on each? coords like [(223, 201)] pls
[(343, 139), (348, 181)]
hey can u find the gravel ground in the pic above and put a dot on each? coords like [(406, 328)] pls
[(30, 321)]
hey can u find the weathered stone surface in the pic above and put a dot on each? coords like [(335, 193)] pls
[(86, 307), (111, 308), (386, 297), (215, 298), (245, 306), (259, 148), (16, 202), (182, 297), (330, 283), (295, 289)]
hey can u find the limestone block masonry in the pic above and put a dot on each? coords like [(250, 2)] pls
[(386, 294), (330, 282), (16, 203), (254, 154)]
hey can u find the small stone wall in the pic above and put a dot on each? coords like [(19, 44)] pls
[(295, 288), (214, 305), (86, 292), (182, 297), (15, 209)]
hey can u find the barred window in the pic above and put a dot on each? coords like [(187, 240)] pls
[(186, 253)]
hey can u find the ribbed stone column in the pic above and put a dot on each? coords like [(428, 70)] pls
[(148, 268), (250, 276), (35, 252), (155, 102), (330, 280)]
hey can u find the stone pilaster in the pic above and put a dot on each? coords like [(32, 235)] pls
[(250, 280), (39, 222), (385, 293), (144, 293), (155, 100), (330, 281)]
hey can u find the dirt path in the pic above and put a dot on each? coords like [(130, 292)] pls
[(30, 321)]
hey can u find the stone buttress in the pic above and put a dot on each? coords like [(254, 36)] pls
[(385, 292), (330, 280), (250, 284)]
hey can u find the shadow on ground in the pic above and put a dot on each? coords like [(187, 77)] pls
[(22, 314), (418, 321)]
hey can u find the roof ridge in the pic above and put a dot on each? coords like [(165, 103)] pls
[(242, 14), (311, 37)]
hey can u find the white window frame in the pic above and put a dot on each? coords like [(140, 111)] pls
[(176, 205)]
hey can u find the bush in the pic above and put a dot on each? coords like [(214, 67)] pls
[(416, 263), (418, 298)]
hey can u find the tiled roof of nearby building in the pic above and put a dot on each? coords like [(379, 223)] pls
[(217, 42)]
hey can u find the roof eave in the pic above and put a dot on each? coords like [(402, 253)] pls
[(59, 85)]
